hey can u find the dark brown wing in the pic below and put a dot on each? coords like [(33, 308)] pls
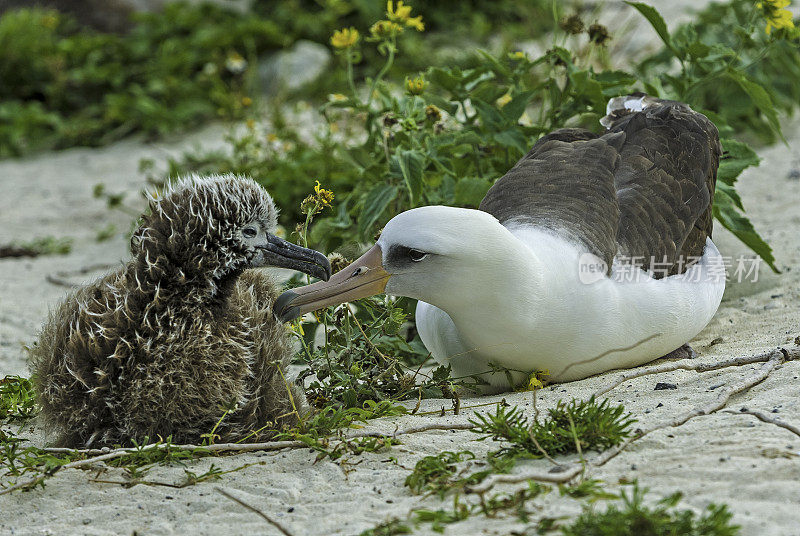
[(665, 181), (644, 189), (566, 184)]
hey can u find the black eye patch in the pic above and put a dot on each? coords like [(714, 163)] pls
[(400, 255), (249, 232)]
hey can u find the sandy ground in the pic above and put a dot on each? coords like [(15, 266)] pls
[(752, 466)]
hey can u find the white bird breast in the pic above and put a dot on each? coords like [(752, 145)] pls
[(576, 328)]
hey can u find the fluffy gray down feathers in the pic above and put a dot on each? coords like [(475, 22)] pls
[(169, 342)]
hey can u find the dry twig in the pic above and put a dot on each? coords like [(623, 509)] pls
[(692, 364), (254, 509), (766, 418), (101, 455)]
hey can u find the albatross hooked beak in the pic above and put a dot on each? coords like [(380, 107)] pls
[(364, 277), (278, 252)]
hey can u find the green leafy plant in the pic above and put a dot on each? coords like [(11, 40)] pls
[(17, 399), (65, 85), (517, 503), (444, 136), (391, 527), (436, 473), (69, 85), (575, 426), (47, 245), (316, 428), (634, 518)]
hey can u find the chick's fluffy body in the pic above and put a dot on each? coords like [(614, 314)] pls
[(175, 337)]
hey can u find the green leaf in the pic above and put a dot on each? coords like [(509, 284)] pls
[(471, 190), (408, 165), (615, 82), (657, 22), (374, 205), (725, 210), (442, 78), (760, 98), (448, 106), (585, 87), (488, 91), (495, 63), (731, 192), (489, 115), (698, 50), (512, 138), (737, 156), (514, 109)]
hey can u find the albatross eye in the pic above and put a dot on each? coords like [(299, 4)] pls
[(249, 232), (416, 255)]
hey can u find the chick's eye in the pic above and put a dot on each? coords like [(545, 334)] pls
[(249, 232), (416, 255)]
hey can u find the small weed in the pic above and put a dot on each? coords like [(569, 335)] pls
[(17, 399), (355, 446), (393, 527), (139, 461), (634, 518), (435, 473), (439, 518), (314, 429), (105, 233), (439, 474), (17, 460), (591, 489), (47, 245), (516, 502), (576, 426)]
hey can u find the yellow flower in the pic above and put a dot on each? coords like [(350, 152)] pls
[(776, 15), (345, 38), (247, 101), (416, 86), (402, 14), (251, 124), (433, 113), (502, 101), (535, 381), (385, 28), (518, 55), (337, 97), (416, 23), (324, 196), (296, 327), (272, 137)]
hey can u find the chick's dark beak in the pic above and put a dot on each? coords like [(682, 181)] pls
[(278, 252)]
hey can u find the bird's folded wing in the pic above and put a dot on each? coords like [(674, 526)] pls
[(665, 183), (642, 191), (564, 184)]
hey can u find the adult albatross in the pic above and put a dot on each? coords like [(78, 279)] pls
[(592, 253)]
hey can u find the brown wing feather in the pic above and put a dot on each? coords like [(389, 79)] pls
[(665, 183), (566, 184), (644, 189)]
